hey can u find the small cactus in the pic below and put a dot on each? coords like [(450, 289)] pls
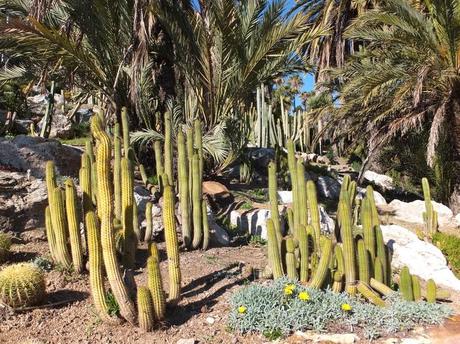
[(290, 259), (369, 294), (431, 291), (405, 284), (274, 257), (155, 283), (323, 266), (22, 285), (430, 216), (416, 289)]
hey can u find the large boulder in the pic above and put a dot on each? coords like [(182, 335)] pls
[(378, 197), (61, 126), (328, 187), (412, 212), (422, 258), (23, 200), (381, 181), (253, 221), (260, 158), (25, 153)]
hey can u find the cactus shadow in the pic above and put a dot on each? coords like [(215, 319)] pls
[(64, 297), (182, 313)]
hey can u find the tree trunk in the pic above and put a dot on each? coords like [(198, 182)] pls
[(454, 201)]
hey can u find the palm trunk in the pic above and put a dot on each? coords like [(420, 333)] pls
[(454, 202)]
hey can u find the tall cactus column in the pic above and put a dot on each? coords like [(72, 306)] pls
[(183, 176), (346, 232), (127, 205), (196, 202), (273, 196), (314, 213), (117, 170), (172, 245), (168, 148), (74, 225), (430, 216), (104, 197)]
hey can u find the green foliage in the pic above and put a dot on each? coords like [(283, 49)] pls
[(112, 304), (5, 244), (450, 247), (43, 263), (267, 309)]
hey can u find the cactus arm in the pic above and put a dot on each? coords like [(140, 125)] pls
[(125, 129), (168, 148), (158, 160), (145, 309), (274, 256), (183, 176), (370, 295), (155, 283), (301, 193), (323, 266), (431, 291), (314, 213), (58, 219), (117, 171), (291, 268), (368, 228), (273, 196), (50, 234), (405, 284), (363, 262), (148, 218), (304, 254), (196, 202), (127, 204), (205, 225)]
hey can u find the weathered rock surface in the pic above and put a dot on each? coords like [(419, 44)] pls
[(380, 180), (378, 197), (31, 153), (218, 236), (422, 258), (61, 126), (412, 212), (336, 338), (328, 187), (22, 202)]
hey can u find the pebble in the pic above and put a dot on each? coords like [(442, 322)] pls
[(210, 320), (186, 341)]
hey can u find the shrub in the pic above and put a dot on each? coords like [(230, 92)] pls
[(5, 244), (450, 247), (283, 306)]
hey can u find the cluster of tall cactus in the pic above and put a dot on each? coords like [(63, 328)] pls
[(355, 259), (430, 216), (111, 228)]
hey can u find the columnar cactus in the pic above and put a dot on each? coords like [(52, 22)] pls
[(368, 228), (314, 213), (73, 225), (382, 254), (198, 141), (378, 270), (127, 201), (293, 174), (273, 197), (196, 202), (430, 216), (274, 257), (323, 266), (348, 243), (5, 244), (145, 309), (117, 171), (405, 284), (105, 212), (149, 223), (430, 291), (416, 289), (369, 294), (58, 220), (363, 262), (125, 128), (340, 268), (301, 194), (50, 234), (205, 225), (96, 278), (85, 183), (92, 158), (380, 287), (158, 160), (304, 254), (291, 268), (172, 246), (183, 176), (168, 148), (155, 283)]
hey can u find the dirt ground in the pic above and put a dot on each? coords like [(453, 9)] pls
[(208, 280)]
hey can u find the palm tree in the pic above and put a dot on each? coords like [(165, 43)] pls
[(407, 76), (102, 46)]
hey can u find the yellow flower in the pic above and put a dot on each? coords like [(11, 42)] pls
[(242, 309), (304, 296), (289, 289), (346, 307)]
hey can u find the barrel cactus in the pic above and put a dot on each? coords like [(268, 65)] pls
[(22, 285)]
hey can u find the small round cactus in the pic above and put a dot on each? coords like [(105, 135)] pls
[(5, 244), (22, 285)]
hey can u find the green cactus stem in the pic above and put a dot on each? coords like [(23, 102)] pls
[(301, 194), (274, 256), (155, 283), (314, 213), (430, 291), (183, 176), (290, 259), (196, 202), (117, 171), (145, 309), (127, 203), (149, 225), (382, 253), (168, 148), (430, 216), (73, 225), (378, 270), (380, 287), (58, 219), (416, 289), (293, 174), (158, 160), (304, 254), (205, 225), (363, 262), (198, 141), (405, 284), (323, 266), (172, 246), (369, 294), (368, 229), (273, 197), (50, 234)]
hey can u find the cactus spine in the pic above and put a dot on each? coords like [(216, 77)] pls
[(105, 212), (323, 266), (172, 246), (273, 196), (168, 148), (117, 171), (405, 284), (155, 282), (74, 225), (95, 266), (196, 202), (274, 256), (184, 189), (145, 309), (291, 268), (430, 216)]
